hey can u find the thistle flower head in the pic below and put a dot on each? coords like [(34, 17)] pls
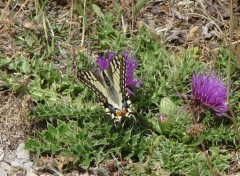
[(163, 118), (210, 92), (104, 60), (131, 65)]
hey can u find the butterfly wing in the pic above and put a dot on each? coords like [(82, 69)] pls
[(114, 79), (117, 72), (95, 83)]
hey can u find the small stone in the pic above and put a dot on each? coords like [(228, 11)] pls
[(31, 173), (27, 165), (2, 154), (4, 138), (22, 153), (3, 172), (22, 164), (5, 166), (9, 157), (16, 163)]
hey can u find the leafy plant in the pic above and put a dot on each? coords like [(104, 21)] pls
[(77, 126)]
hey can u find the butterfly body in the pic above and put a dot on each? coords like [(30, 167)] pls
[(109, 86)]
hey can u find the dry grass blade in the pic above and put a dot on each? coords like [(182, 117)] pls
[(16, 14), (84, 23), (4, 10)]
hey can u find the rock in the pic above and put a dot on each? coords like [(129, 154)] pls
[(22, 153), (22, 164), (22, 159), (27, 165), (5, 169), (31, 173), (3, 172), (5, 166), (9, 157), (16, 163), (2, 154)]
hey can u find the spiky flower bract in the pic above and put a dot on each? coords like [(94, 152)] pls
[(210, 92), (131, 65)]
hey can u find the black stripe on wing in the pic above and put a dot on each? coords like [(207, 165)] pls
[(94, 83), (117, 70), (123, 74)]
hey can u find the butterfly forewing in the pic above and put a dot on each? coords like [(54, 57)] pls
[(118, 64), (95, 83), (116, 77)]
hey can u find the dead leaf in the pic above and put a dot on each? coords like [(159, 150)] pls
[(192, 31)]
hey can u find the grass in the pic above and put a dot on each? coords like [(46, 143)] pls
[(74, 126)]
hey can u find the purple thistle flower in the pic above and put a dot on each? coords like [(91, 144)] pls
[(103, 61), (131, 65), (210, 92)]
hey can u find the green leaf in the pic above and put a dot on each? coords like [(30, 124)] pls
[(117, 7), (5, 62), (53, 148), (48, 136), (97, 10), (86, 161), (97, 156), (139, 6), (167, 106), (127, 137), (141, 157), (214, 151), (195, 143), (62, 127), (25, 67), (52, 129), (32, 145)]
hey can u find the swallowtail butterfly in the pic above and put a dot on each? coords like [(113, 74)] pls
[(110, 87)]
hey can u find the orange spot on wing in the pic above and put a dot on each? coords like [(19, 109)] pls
[(124, 111), (118, 113)]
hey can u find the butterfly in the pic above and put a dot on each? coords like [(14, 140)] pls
[(110, 87)]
